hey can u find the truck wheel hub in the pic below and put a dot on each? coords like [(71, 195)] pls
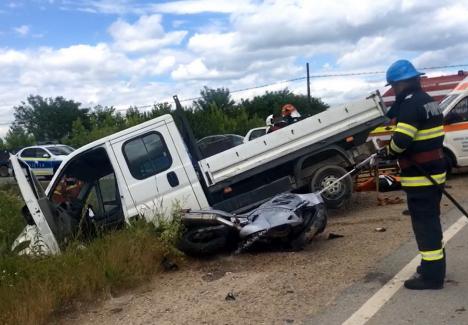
[(333, 190)]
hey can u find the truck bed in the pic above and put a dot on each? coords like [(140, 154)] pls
[(334, 121)]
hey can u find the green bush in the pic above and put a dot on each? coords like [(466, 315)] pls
[(11, 221)]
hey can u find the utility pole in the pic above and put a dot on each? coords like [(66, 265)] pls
[(309, 100)]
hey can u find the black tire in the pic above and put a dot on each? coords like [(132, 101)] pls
[(336, 196), (323, 226), (4, 171), (204, 240), (298, 243)]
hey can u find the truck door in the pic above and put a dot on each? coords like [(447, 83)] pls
[(456, 131), (153, 172)]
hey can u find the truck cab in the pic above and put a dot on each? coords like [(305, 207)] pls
[(144, 171)]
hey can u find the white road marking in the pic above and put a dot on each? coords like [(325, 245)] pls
[(373, 305)]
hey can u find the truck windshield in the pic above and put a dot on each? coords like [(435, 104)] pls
[(447, 101)]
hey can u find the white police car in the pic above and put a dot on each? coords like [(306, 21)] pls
[(44, 160)]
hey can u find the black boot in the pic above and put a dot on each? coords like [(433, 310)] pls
[(419, 269), (419, 283)]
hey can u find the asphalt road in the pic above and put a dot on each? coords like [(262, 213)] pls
[(447, 306)]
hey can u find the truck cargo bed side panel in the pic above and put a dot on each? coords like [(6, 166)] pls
[(268, 150)]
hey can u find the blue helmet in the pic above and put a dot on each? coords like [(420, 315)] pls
[(401, 70)]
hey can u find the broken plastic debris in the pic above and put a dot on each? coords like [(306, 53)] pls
[(334, 236), (230, 296), (380, 229), (169, 265), (389, 200)]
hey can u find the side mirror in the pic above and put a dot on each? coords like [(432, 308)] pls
[(46, 155)]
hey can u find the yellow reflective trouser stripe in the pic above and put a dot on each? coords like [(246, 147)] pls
[(407, 129), (429, 133), (396, 148), (438, 254), (421, 180)]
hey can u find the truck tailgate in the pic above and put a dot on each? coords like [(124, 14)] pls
[(309, 131)]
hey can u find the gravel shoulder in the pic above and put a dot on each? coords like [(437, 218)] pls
[(268, 287)]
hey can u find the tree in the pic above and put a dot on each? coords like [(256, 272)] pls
[(2, 144), (215, 121), (220, 97), (48, 118), (271, 103), (159, 110), (17, 137)]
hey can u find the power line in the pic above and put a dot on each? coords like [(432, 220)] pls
[(315, 76), (329, 75)]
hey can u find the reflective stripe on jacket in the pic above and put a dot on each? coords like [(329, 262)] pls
[(419, 130)]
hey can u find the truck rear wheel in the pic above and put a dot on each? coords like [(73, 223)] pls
[(336, 195)]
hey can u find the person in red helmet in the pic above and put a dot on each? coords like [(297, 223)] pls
[(290, 113)]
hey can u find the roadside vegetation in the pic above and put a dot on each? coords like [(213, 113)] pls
[(32, 289)]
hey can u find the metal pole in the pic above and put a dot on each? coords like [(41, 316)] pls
[(308, 86), (441, 187)]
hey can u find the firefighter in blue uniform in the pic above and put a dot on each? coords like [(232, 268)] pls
[(417, 140)]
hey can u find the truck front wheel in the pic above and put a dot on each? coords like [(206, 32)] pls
[(337, 194)]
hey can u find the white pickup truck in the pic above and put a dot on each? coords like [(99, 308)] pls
[(148, 169)]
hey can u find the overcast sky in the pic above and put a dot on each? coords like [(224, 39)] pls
[(136, 52)]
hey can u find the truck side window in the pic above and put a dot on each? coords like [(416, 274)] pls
[(147, 155), (459, 113)]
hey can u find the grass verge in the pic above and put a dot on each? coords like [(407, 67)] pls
[(11, 222), (31, 289)]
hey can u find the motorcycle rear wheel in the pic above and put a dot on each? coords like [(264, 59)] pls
[(200, 241)]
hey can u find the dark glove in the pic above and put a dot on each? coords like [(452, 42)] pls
[(383, 153)]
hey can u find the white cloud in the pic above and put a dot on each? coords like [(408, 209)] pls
[(22, 30), (199, 6), (194, 70), (369, 51), (146, 34), (118, 7), (89, 74), (9, 58), (222, 43)]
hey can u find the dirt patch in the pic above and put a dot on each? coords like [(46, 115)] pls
[(269, 287)]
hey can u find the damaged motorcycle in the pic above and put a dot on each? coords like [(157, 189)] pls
[(289, 220)]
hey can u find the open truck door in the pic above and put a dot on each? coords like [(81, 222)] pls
[(82, 201), (41, 235)]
